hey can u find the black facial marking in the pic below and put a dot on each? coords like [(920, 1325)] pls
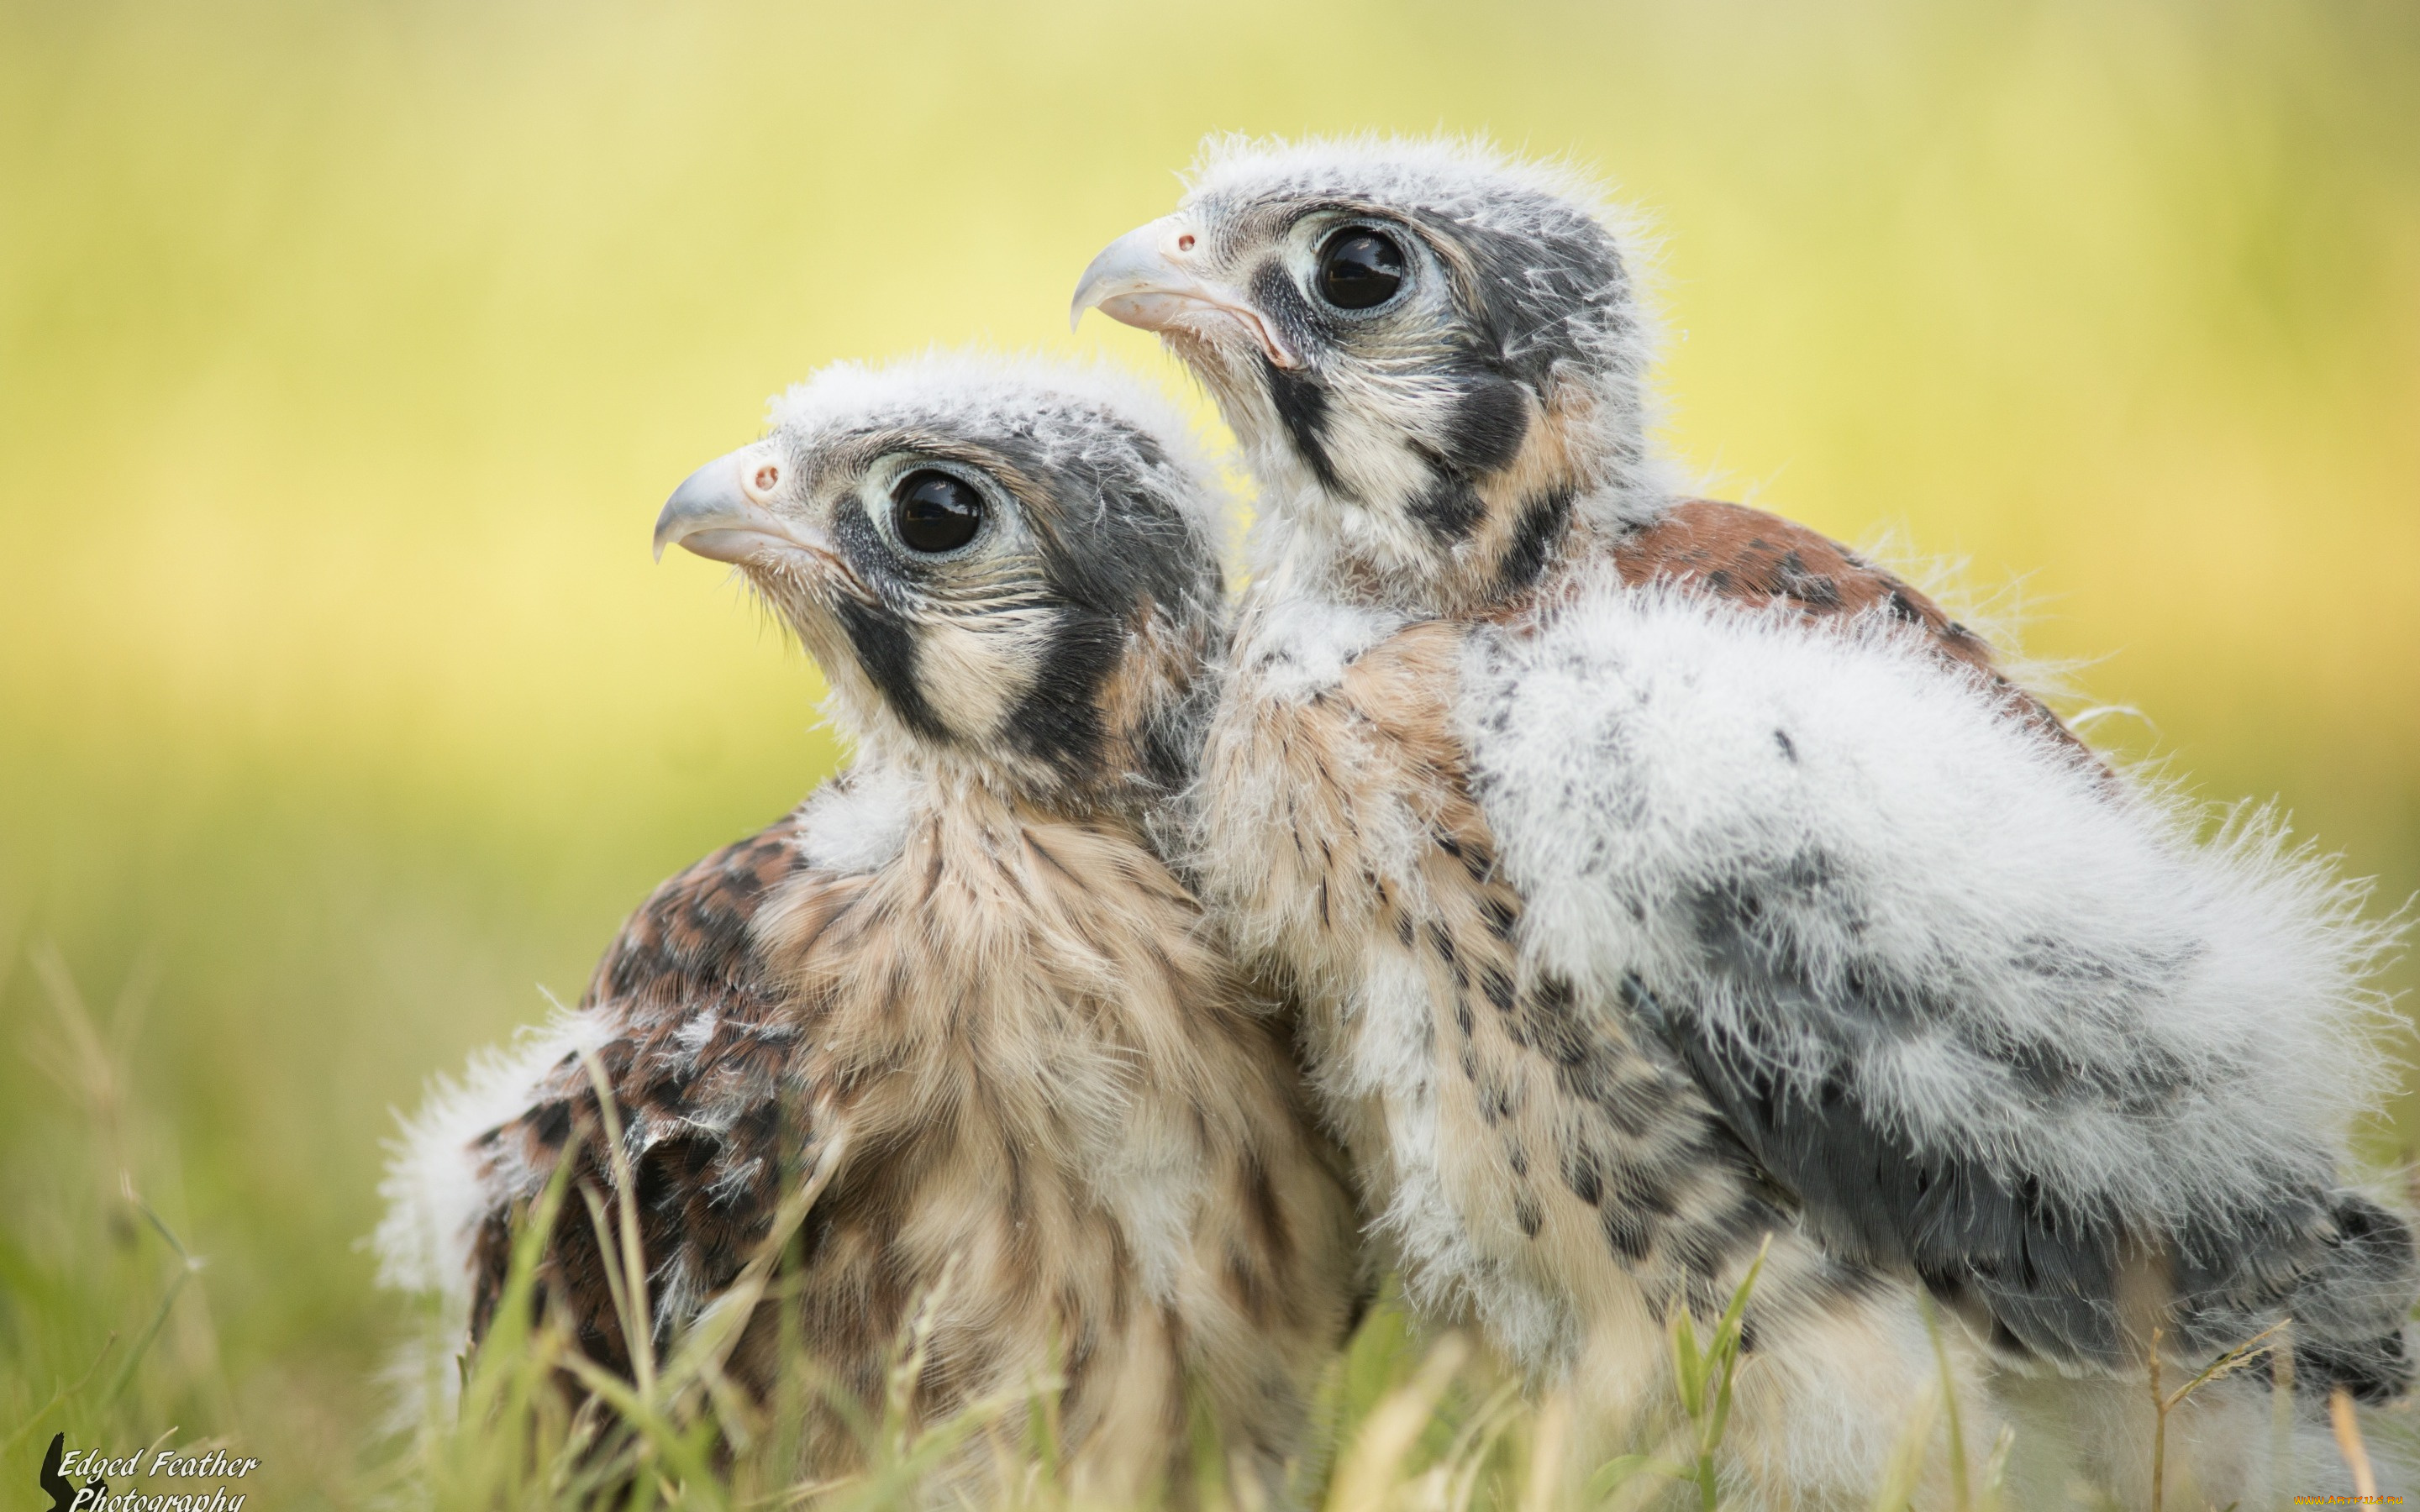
[(1301, 405), (1537, 293), (1535, 535), (1280, 300), (1450, 507), (1059, 721), (1484, 433), (1113, 546), (886, 648), (1488, 424)]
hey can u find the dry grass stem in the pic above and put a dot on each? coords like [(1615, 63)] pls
[(1365, 1480), (2348, 1431)]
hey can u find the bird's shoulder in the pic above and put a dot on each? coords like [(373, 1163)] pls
[(694, 933), (1757, 560), (1986, 1018), (1733, 552), (694, 1041)]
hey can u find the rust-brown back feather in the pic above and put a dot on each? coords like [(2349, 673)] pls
[(705, 1195), (1756, 558)]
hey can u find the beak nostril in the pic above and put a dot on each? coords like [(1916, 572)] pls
[(1148, 279), (766, 478)]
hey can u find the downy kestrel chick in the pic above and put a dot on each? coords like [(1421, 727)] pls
[(1665, 885), (959, 995)]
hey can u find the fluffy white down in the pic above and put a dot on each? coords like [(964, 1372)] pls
[(1448, 1270), (1646, 748), (1389, 168), (433, 1194), (435, 1200), (858, 821)]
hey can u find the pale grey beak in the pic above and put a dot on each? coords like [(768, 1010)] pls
[(1146, 279), (723, 510)]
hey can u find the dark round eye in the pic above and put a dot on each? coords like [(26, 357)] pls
[(1359, 268), (935, 511)]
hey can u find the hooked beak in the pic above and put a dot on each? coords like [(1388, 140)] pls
[(1146, 279), (721, 510)]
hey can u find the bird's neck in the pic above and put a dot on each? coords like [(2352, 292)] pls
[(1297, 556), (968, 802), (1374, 536)]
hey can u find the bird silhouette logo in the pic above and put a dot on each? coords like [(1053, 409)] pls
[(63, 1491)]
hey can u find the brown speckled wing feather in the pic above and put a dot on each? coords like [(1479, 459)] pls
[(1757, 559), (700, 1049)]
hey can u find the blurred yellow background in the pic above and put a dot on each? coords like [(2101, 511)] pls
[(348, 350)]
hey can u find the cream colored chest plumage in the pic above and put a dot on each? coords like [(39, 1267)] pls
[(1027, 1095), (1058, 1097), (1530, 1165)]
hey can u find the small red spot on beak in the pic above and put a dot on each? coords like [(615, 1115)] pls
[(1185, 243), (766, 476)]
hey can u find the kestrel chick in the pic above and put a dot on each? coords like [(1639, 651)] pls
[(1662, 882), (959, 994)]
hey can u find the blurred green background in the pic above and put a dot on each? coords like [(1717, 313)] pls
[(346, 350)]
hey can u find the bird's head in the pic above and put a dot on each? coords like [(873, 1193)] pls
[(1433, 355), (1005, 569)]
